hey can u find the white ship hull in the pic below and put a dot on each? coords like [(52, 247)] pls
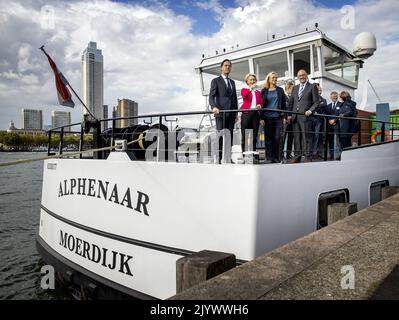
[(163, 211)]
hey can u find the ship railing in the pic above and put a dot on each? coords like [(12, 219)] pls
[(100, 138)]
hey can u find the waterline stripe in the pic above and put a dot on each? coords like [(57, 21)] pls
[(149, 245)]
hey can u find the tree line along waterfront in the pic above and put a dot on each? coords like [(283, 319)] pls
[(13, 141)]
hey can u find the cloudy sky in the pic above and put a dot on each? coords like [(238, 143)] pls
[(150, 47)]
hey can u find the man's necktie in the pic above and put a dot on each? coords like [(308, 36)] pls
[(228, 83), (334, 105), (300, 91)]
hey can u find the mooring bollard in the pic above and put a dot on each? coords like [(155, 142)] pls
[(387, 192), (201, 266), (338, 211)]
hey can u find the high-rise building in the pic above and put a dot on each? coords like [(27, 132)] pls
[(61, 118), (104, 125), (127, 108), (115, 112), (92, 80), (116, 115), (32, 119)]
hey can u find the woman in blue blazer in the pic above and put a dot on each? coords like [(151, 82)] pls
[(273, 97)]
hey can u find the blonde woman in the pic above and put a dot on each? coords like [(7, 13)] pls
[(252, 99), (273, 97)]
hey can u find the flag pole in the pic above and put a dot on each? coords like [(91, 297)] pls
[(74, 92), (70, 87)]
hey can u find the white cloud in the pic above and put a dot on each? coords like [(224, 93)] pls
[(252, 22), (150, 52), (214, 6)]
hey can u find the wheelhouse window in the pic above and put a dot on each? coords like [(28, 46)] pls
[(315, 59), (275, 62), (327, 198), (350, 72), (376, 189), (302, 60), (339, 64), (238, 72)]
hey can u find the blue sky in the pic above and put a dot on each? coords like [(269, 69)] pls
[(205, 22), (334, 3)]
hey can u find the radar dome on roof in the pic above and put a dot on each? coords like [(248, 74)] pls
[(364, 45)]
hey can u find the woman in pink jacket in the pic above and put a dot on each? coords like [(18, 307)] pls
[(250, 120)]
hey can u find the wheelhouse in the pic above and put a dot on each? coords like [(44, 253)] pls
[(326, 62)]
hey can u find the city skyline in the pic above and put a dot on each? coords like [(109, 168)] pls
[(151, 53)]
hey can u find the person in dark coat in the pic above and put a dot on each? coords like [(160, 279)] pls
[(317, 126), (223, 96), (288, 130), (333, 123), (347, 126), (304, 99)]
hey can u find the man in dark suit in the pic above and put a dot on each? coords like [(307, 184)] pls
[(333, 109), (223, 96), (304, 99), (317, 126)]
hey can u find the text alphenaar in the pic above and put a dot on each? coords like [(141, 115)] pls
[(106, 191)]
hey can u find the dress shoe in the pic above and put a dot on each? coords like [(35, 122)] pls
[(296, 160)]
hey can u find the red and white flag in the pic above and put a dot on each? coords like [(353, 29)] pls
[(64, 96)]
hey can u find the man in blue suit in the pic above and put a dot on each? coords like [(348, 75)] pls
[(223, 96), (333, 109)]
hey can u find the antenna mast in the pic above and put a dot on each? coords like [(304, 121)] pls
[(375, 92)]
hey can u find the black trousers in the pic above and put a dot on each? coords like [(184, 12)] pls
[(332, 133), (289, 137), (302, 137), (316, 129), (273, 128), (345, 140), (249, 120), (226, 123)]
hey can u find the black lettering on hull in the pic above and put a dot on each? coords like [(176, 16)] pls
[(110, 259), (99, 189)]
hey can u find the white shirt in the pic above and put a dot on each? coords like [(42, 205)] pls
[(253, 102), (303, 85)]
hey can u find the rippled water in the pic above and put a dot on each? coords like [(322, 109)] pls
[(20, 193)]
